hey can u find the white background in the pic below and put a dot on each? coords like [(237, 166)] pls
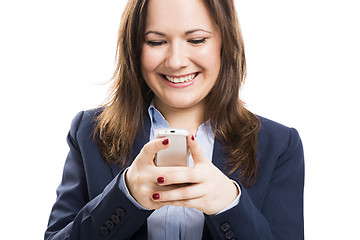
[(303, 71)]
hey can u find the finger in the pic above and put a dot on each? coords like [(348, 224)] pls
[(179, 175), (186, 192), (196, 150), (150, 149)]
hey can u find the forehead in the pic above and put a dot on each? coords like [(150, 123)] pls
[(178, 14)]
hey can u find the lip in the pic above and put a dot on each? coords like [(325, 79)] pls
[(179, 76), (180, 85)]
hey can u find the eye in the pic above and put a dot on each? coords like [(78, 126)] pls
[(155, 43), (197, 41)]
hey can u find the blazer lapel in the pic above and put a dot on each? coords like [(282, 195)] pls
[(142, 137), (219, 155), (220, 158)]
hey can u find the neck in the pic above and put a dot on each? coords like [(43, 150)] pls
[(189, 118)]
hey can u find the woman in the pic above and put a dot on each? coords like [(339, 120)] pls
[(180, 64)]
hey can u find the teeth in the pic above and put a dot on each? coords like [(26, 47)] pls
[(181, 79)]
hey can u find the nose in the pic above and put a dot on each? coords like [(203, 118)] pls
[(176, 56)]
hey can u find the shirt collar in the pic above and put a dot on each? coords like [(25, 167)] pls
[(156, 117), (158, 121)]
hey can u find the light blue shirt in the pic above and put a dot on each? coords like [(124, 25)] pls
[(172, 222)]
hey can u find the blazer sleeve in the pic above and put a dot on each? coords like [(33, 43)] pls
[(75, 216), (281, 215)]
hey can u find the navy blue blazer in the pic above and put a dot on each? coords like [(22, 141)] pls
[(90, 205)]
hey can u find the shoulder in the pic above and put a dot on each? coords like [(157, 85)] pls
[(271, 127), (280, 158), (275, 137), (84, 122)]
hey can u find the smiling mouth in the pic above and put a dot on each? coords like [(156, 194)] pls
[(181, 79)]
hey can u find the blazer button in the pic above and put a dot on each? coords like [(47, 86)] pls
[(109, 224), (104, 231), (225, 227), (229, 235), (120, 212), (115, 219)]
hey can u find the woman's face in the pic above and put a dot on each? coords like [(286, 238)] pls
[(180, 58)]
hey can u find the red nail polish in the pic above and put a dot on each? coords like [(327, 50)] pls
[(160, 180), (192, 137), (156, 196), (165, 142)]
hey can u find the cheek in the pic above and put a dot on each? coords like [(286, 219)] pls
[(145, 63), (209, 57), (150, 60)]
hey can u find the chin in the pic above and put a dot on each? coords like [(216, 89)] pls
[(181, 104)]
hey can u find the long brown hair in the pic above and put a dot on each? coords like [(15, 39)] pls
[(233, 125)]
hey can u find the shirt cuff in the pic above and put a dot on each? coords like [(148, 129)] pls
[(235, 202), (125, 190)]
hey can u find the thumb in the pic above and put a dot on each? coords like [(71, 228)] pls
[(196, 150), (150, 149)]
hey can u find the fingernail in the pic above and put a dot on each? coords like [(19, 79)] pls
[(192, 137), (160, 180), (156, 196), (165, 142)]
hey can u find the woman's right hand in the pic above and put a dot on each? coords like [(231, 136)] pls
[(141, 177)]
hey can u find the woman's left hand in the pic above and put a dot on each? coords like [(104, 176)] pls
[(205, 187)]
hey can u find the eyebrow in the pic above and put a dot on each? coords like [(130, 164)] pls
[(196, 30), (155, 32), (186, 33)]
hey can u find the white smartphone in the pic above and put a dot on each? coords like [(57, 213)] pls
[(177, 154)]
